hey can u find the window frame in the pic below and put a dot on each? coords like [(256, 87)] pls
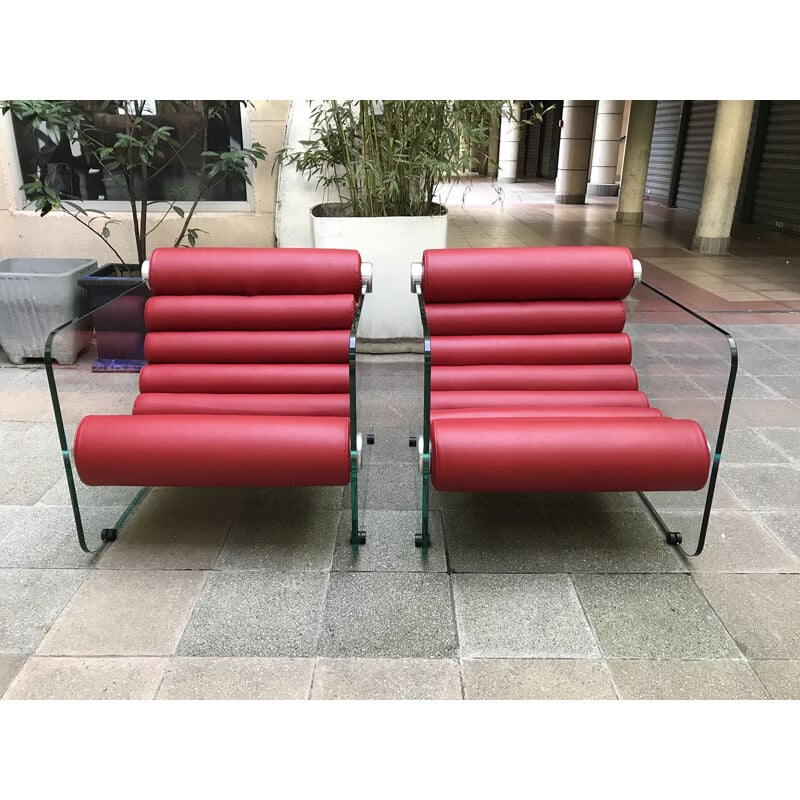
[(121, 206)]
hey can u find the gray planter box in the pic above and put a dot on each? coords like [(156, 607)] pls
[(36, 296)]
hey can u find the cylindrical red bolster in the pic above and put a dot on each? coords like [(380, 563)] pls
[(313, 405), (568, 455), (211, 450), (247, 347), (262, 313), (254, 270), (559, 348), (486, 399), (543, 316), (526, 273), (246, 378), (538, 377), (540, 412)]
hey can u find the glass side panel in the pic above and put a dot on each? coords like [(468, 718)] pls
[(684, 367), (95, 385)]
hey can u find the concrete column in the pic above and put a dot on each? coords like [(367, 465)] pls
[(509, 146), (574, 150), (723, 175), (605, 152), (630, 206)]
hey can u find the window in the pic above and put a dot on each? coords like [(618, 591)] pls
[(76, 175)]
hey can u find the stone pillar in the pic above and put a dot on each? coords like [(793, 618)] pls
[(605, 152), (723, 175), (630, 207), (509, 146), (574, 150)]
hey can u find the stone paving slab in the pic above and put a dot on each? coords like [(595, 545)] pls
[(781, 678), (256, 614), (537, 679), (390, 543), (521, 616), (61, 678), (762, 612), (237, 679), (737, 542), (9, 667), (765, 487), (785, 526), (278, 540), (45, 537), (386, 679), (388, 614), (30, 599), (652, 616), (125, 613), (685, 680)]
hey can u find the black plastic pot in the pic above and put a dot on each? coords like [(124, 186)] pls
[(119, 327)]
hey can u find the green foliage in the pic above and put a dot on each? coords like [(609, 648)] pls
[(388, 157), (135, 156)]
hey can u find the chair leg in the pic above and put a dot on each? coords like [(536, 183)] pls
[(423, 540)]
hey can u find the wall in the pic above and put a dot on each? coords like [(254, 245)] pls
[(24, 233)]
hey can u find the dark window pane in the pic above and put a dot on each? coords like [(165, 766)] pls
[(78, 176)]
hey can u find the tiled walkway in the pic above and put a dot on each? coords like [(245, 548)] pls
[(254, 593)]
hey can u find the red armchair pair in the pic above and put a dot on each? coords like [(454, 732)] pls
[(529, 384)]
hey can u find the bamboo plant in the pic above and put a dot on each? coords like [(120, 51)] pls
[(389, 157)]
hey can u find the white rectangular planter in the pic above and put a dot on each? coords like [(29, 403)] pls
[(36, 296), (390, 244)]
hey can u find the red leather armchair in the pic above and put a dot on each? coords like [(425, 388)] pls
[(529, 384), (250, 375)]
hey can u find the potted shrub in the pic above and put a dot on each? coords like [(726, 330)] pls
[(386, 161), (131, 146)]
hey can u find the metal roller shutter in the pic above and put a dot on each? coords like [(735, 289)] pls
[(662, 150), (549, 140), (777, 191), (695, 154)]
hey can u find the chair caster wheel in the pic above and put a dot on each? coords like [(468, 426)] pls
[(370, 438), (673, 537), (412, 441), (108, 535)]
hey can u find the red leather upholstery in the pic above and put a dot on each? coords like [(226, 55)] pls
[(245, 378), (212, 450), (479, 274), (248, 382), (254, 271), (531, 383), (543, 316), (511, 399), (571, 455), (314, 405), (246, 347), (537, 377), (261, 313), (560, 348)]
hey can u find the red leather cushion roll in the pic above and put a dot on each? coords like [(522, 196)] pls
[(260, 313), (558, 348), (569, 455), (544, 316), (254, 347), (538, 377), (314, 405), (253, 270), (486, 399), (246, 378), (539, 412), (526, 273), (212, 450)]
